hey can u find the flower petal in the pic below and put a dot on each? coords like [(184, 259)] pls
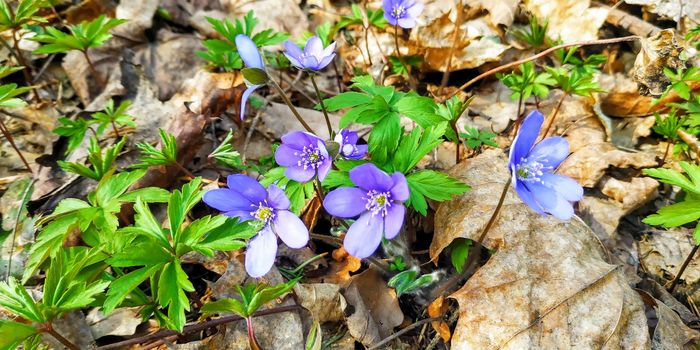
[(394, 220), (313, 47), (291, 229), (368, 177), (243, 215), (249, 52), (328, 51), (345, 202), (565, 186), (325, 61), (299, 174), (324, 169), (245, 97), (551, 202), (261, 252), (286, 155), (399, 191), (360, 151), (552, 150), (294, 61), (527, 197), (415, 10), (247, 187), (407, 22), (223, 199), (299, 139), (529, 130), (309, 62), (292, 49), (364, 236), (277, 198)]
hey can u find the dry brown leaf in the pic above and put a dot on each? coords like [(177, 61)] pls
[(438, 308), (547, 285), (376, 309), (622, 98), (342, 265), (569, 20), (662, 254), (658, 52), (494, 107), (672, 9), (122, 322), (500, 11), (323, 300), (670, 333)]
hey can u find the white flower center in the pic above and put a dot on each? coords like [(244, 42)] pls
[(263, 212), (310, 157), (378, 202), (398, 11), (531, 170)]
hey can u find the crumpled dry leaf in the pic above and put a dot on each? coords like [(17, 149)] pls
[(500, 11), (139, 14), (569, 20), (73, 326), (622, 98), (438, 308), (342, 265), (123, 321), (658, 52), (672, 9), (670, 332), (548, 278), (376, 307), (603, 215), (494, 107), (323, 300), (663, 253)]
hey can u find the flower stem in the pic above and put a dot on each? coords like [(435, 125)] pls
[(94, 72), (67, 343), (400, 56), (518, 120), (252, 341), (323, 105), (668, 148), (116, 130), (318, 188), (291, 106), (183, 169), (554, 115), (8, 136), (458, 143), (683, 267)]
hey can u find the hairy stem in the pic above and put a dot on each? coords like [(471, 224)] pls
[(536, 56), (291, 106), (668, 148), (94, 72), (323, 105), (554, 114), (683, 267), (67, 343), (400, 56), (6, 132)]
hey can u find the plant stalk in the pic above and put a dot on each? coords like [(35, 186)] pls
[(67, 343), (252, 341), (323, 106), (683, 267), (93, 70), (291, 106), (458, 143), (11, 140), (400, 56), (554, 115), (183, 169), (116, 130)]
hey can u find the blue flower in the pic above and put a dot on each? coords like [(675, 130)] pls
[(402, 12), (532, 170), (251, 57), (347, 141), (314, 57)]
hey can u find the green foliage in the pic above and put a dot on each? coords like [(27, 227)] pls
[(475, 138), (7, 70), (110, 116), (459, 252), (223, 53), (688, 209), (152, 156), (226, 155), (668, 127), (101, 161), (411, 281), (374, 18), (251, 298), (95, 220), (22, 14), (680, 80), (574, 81), (528, 82), (588, 65), (298, 193), (432, 184), (451, 111), (156, 250), (8, 96), (74, 130), (81, 37), (535, 35), (408, 61)]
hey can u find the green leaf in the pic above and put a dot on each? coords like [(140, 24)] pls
[(80, 37), (180, 203), (676, 214), (346, 100), (422, 110), (231, 235), (434, 185), (147, 253), (459, 253), (172, 285), (384, 138), (224, 306), (416, 145), (689, 184), (17, 300), (255, 76), (123, 286), (12, 333)]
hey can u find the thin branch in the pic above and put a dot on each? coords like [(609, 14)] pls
[(6, 132), (323, 105), (402, 332), (683, 267)]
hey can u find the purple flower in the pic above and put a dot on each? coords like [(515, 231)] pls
[(247, 199), (347, 140), (314, 57), (532, 170), (252, 59), (377, 199), (304, 155), (402, 12)]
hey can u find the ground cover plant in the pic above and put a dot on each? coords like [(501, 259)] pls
[(396, 174)]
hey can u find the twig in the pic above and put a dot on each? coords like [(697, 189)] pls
[(554, 115), (93, 70), (323, 105), (402, 332), (536, 56), (455, 36), (6, 132), (183, 169), (683, 267), (195, 327)]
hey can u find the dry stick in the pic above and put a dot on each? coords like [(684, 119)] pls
[(6, 132), (195, 327), (541, 54), (554, 115), (291, 106), (683, 267), (338, 77), (402, 332), (67, 343), (323, 105), (93, 70)]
